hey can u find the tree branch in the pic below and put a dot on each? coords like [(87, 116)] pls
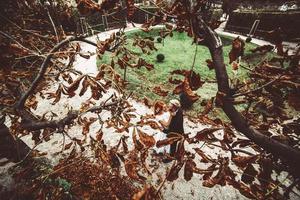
[(53, 25), (257, 89), (285, 152), (55, 124), (31, 124), (13, 39), (34, 84), (21, 102)]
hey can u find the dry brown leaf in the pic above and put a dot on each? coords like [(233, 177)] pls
[(147, 193), (243, 161), (147, 140), (74, 86), (114, 160), (157, 90), (32, 103), (180, 72), (137, 144), (168, 141), (131, 165), (152, 124), (99, 135), (68, 146), (205, 158), (209, 183), (188, 91), (85, 84), (56, 95), (180, 152), (159, 107), (194, 80), (173, 174), (174, 81), (147, 102), (178, 89), (86, 7), (85, 122), (210, 64), (189, 169), (203, 134), (294, 100), (249, 174)]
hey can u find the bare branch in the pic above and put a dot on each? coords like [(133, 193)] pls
[(53, 25), (55, 124)]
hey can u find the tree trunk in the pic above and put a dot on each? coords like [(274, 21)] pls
[(11, 148)]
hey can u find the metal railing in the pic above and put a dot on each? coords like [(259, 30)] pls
[(253, 28)]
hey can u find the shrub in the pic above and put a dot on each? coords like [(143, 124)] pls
[(248, 39), (160, 57), (159, 39)]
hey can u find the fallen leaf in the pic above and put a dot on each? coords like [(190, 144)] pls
[(68, 146), (189, 169), (74, 86), (157, 90), (203, 134), (159, 107), (137, 144), (205, 158), (173, 174), (131, 170), (147, 140), (168, 141), (243, 161), (249, 174)]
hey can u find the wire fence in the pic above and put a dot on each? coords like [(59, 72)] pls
[(97, 22)]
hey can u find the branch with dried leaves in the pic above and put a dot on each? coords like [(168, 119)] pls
[(46, 62), (32, 125), (259, 88), (284, 151)]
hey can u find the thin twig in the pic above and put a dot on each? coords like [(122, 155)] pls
[(259, 88), (236, 150), (290, 188), (64, 140), (193, 65), (247, 68), (33, 32), (53, 25), (277, 186), (13, 39)]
